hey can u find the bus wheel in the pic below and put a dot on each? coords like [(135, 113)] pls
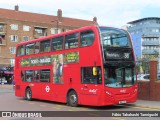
[(72, 99), (28, 94)]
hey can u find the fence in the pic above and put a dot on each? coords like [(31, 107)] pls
[(149, 90)]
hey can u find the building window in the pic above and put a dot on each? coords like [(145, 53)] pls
[(14, 27), (12, 61), (39, 31), (59, 30), (155, 30), (1, 39), (25, 38), (13, 50), (14, 38), (2, 27), (53, 30), (25, 28)]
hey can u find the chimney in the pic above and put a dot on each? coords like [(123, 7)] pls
[(95, 19), (59, 15), (16, 8)]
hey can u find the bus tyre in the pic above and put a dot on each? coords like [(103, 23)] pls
[(72, 99), (28, 94)]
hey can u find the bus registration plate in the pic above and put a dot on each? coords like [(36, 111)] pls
[(122, 102)]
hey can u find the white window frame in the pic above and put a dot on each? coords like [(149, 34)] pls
[(59, 30), (14, 26), (53, 30), (26, 28), (12, 50), (12, 61), (14, 38)]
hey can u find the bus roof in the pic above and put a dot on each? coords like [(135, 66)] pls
[(63, 33)]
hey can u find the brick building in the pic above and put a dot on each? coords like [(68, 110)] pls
[(17, 26)]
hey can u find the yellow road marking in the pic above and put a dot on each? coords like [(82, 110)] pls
[(83, 108), (146, 108), (142, 107), (60, 105), (42, 105)]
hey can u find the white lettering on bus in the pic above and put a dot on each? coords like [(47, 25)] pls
[(94, 91), (113, 55), (34, 61), (46, 60)]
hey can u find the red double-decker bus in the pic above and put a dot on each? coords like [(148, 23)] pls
[(88, 66)]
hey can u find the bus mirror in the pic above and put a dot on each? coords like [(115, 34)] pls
[(95, 71)]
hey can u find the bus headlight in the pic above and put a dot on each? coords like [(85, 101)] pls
[(135, 90)]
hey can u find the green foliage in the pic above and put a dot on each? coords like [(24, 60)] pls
[(144, 63)]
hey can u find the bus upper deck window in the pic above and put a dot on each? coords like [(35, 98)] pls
[(57, 43), (20, 51), (30, 49), (45, 46), (71, 41), (36, 47), (87, 38)]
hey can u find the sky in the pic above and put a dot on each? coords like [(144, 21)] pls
[(115, 13)]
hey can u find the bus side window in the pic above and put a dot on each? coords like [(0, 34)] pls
[(89, 78), (30, 49), (45, 46), (45, 75), (20, 51), (86, 38), (57, 43), (29, 75), (71, 41), (36, 75)]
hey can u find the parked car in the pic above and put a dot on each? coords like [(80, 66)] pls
[(143, 77), (3, 81), (7, 73), (146, 77)]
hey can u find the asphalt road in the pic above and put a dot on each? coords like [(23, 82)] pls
[(9, 102)]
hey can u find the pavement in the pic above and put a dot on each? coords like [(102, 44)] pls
[(139, 103), (6, 87), (148, 104)]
